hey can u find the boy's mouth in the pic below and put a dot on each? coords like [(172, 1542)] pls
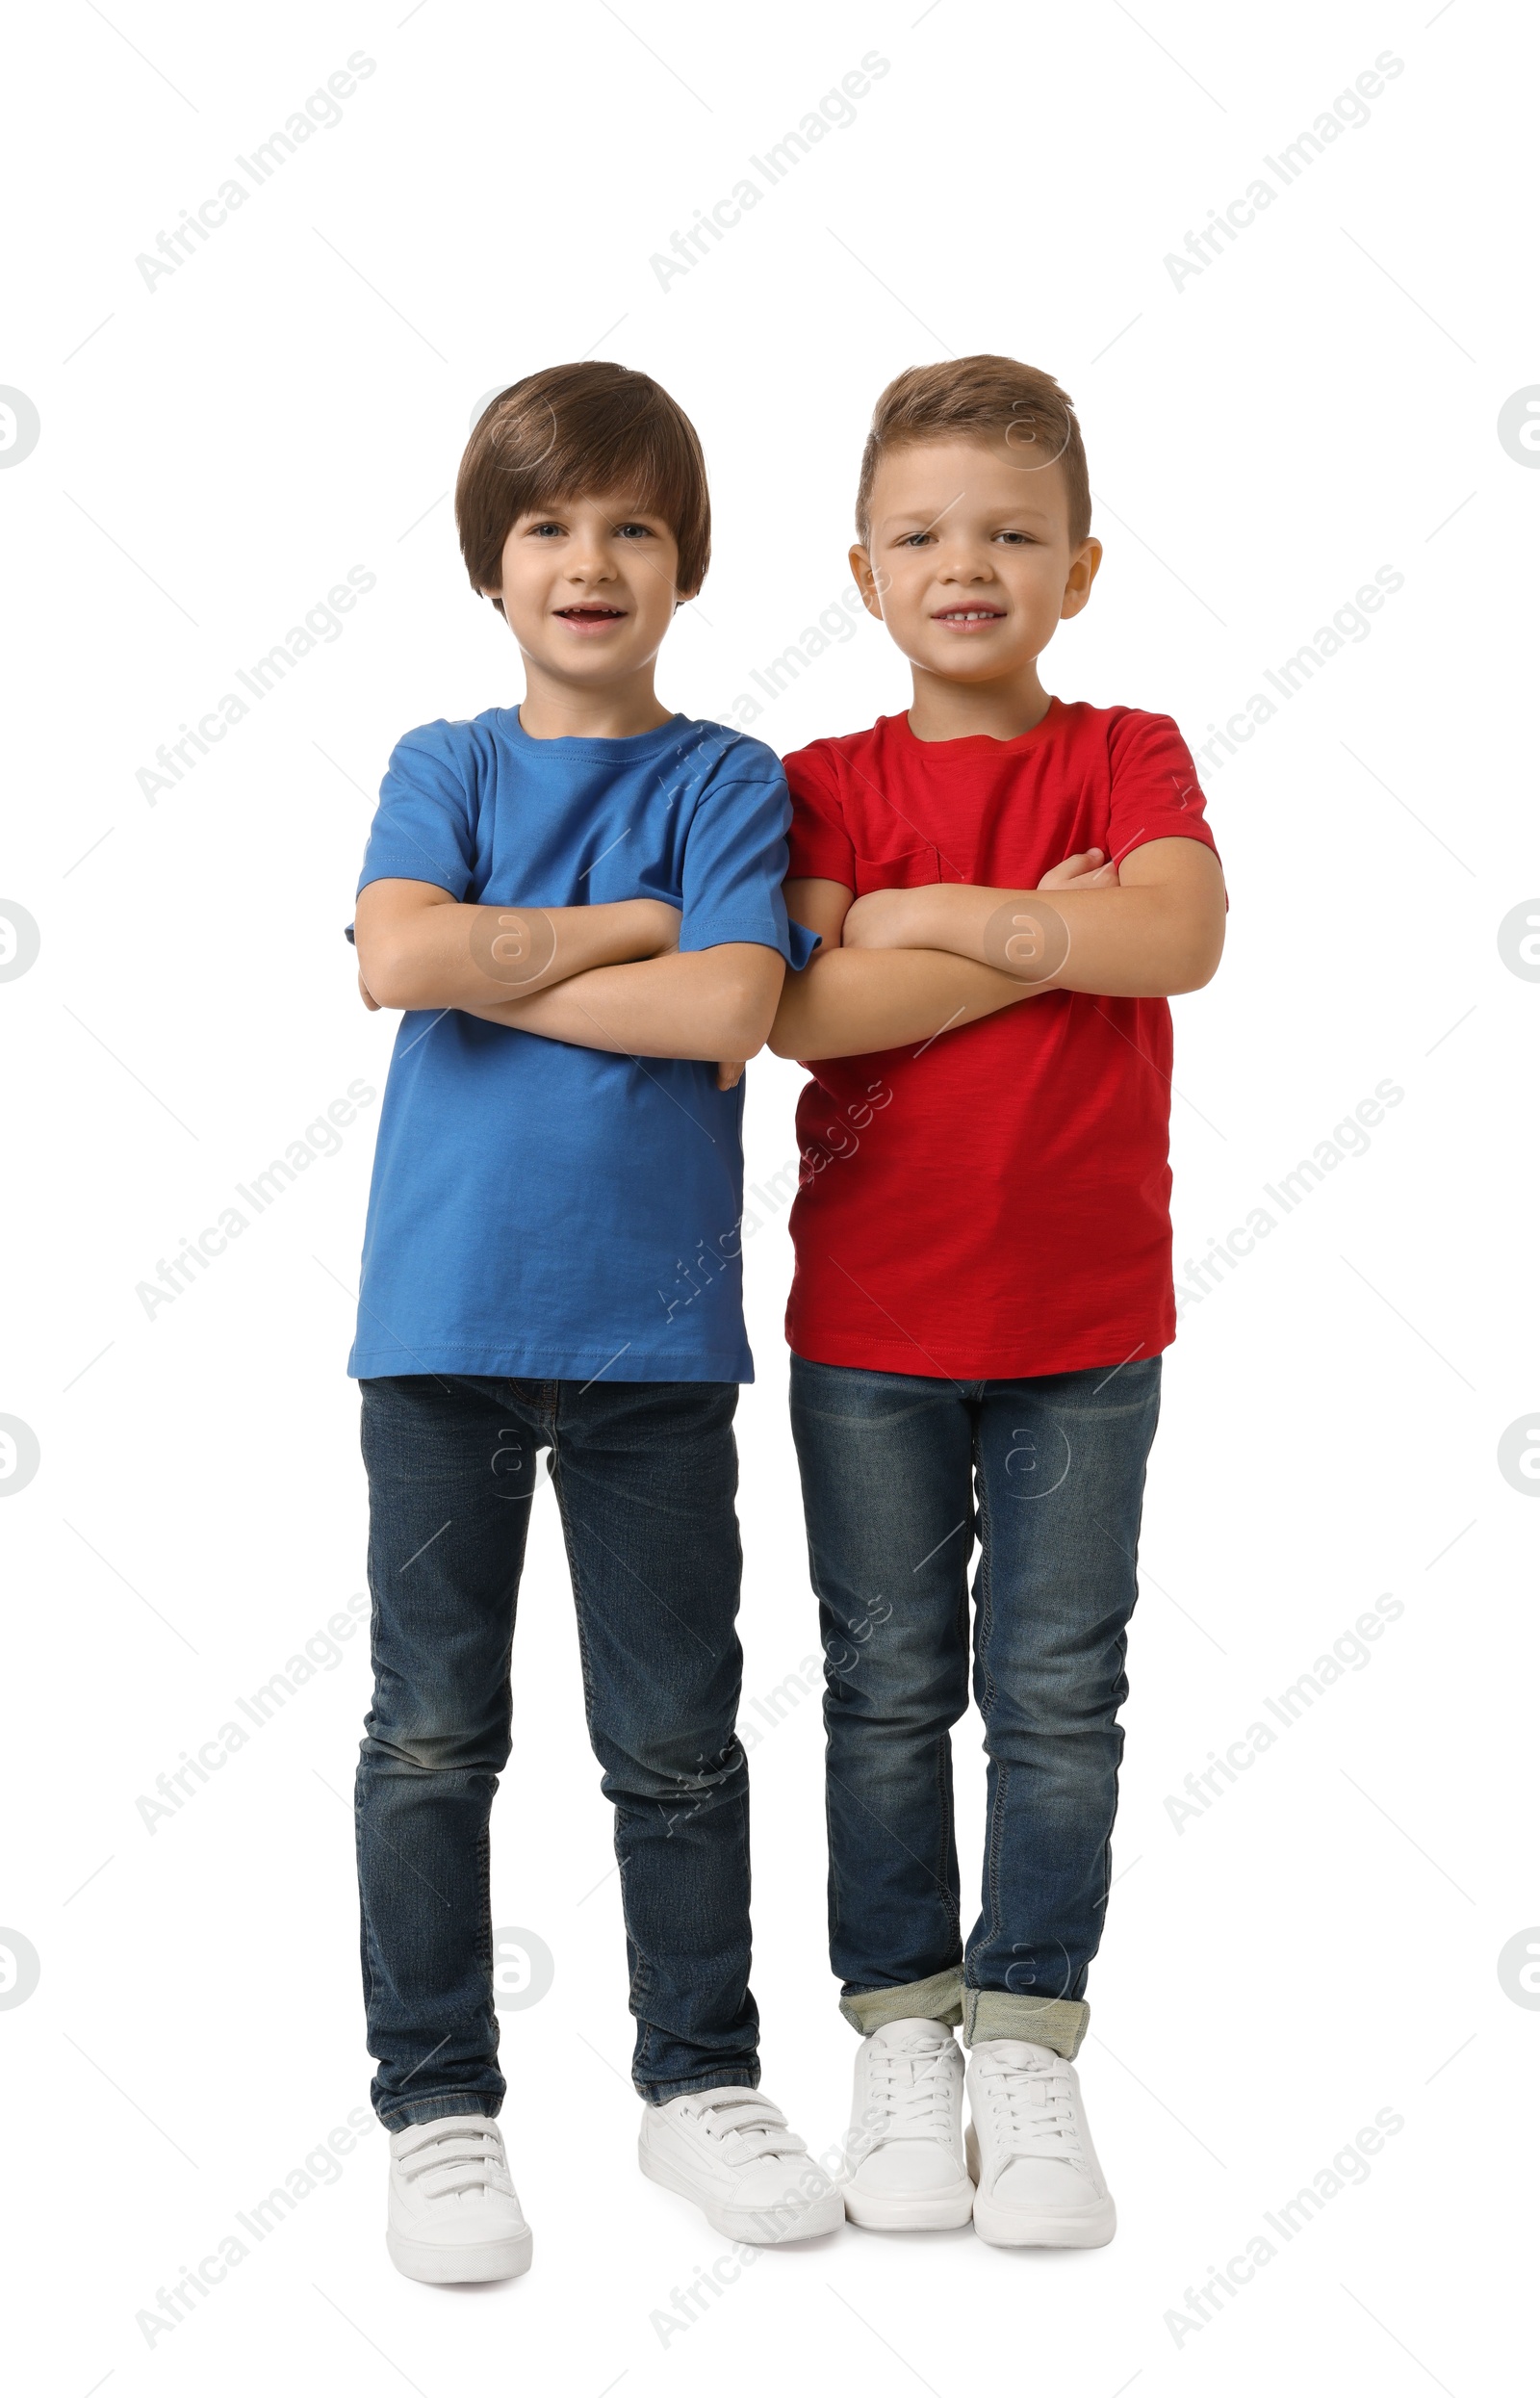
[(966, 618), (590, 612)]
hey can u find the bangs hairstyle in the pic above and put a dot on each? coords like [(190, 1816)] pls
[(571, 432), (973, 398)]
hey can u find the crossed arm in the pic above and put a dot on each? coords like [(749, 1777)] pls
[(608, 976), (903, 966), (894, 967)]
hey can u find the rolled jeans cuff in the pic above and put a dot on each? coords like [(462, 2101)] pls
[(400, 2114), (1056, 2024), (939, 2000)]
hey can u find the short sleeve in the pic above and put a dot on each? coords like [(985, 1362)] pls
[(423, 828), (1155, 794), (819, 844), (735, 864)]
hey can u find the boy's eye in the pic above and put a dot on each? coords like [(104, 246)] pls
[(537, 529), (1026, 538), (628, 532), (913, 541)]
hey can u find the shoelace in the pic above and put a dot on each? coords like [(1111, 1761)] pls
[(911, 2090), (756, 2127), (1033, 2102), (445, 2163)]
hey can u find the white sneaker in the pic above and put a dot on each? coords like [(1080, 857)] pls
[(1039, 2183), (732, 2153), (905, 2165), (454, 2213)]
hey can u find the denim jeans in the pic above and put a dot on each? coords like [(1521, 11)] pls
[(900, 1473), (645, 1474)]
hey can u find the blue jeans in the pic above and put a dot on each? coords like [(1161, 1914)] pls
[(900, 1473), (645, 1475)]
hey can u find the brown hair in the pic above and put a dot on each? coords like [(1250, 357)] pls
[(570, 430), (974, 397)]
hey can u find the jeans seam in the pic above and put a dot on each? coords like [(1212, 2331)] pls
[(946, 1839), (483, 1860), (831, 1841), (639, 1978), (366, 1935), (993, 1833), (367, 1943)]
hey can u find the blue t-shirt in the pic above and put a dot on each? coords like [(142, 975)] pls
[(538, 1209)]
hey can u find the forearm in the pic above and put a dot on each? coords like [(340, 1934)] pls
[(704, 1003), (455, 956), (849, 1002), (1132, 942)]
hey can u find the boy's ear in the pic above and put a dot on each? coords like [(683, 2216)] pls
[(866, 578), (1082, 575)]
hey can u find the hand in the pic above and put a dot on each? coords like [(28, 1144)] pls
[(730, 1072), (366, 995), (1089, 869), (926, 916)]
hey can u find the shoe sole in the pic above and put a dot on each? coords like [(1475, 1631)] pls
[(488, 2260), (816, 2216), (920, 2210), (1012, 2227), (1020, 2227)]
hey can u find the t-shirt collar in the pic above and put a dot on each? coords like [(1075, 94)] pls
[(627, 746), (971, 745)]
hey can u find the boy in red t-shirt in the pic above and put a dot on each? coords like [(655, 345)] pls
[(1007, 888)]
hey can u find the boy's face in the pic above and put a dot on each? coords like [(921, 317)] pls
[(588, 586), (969, 563)]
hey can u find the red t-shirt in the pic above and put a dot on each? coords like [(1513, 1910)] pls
[(995, 1202)]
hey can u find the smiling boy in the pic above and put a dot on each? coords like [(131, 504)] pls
[(983, 1287), (578, 904)]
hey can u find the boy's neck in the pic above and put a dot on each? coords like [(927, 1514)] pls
[(944, 711), (553, 710)]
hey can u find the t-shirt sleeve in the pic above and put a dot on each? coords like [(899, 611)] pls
[(735, 864), (423, 828), (1155, 794), (819, 844)]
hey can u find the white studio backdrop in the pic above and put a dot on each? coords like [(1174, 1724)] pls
[(1282, 399)]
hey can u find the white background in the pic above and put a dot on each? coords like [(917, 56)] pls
[(215, 451)]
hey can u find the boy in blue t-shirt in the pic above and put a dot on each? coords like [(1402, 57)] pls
[(576, 902)]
